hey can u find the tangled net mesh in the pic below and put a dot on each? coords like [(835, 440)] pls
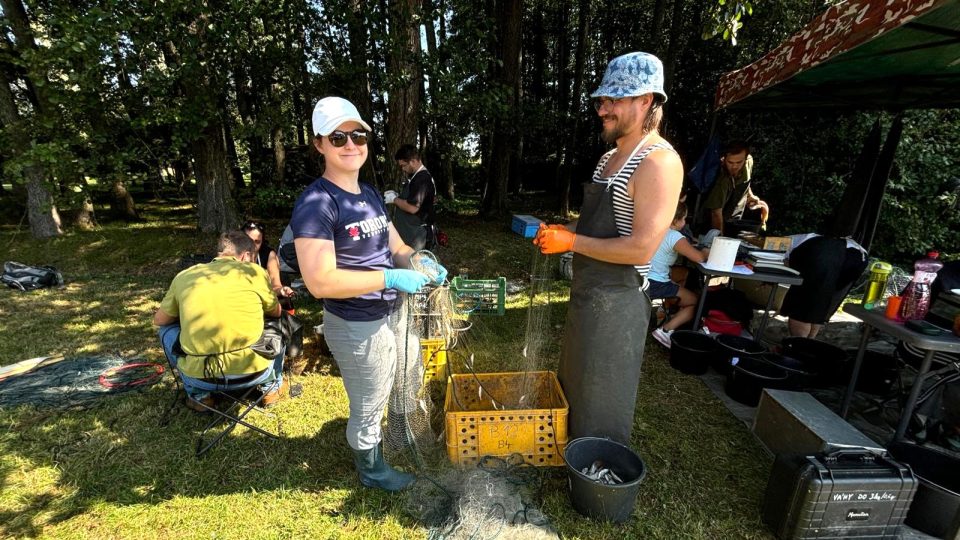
[(499, 497), (75, 382)]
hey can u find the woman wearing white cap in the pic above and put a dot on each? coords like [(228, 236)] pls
[(626, 212), (349, 253)]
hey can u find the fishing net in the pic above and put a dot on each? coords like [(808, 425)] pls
[(429, 316), (493, 500), (499, 497), (77, 382)]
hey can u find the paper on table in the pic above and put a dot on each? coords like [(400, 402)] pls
[(767, 255), (737, 269)]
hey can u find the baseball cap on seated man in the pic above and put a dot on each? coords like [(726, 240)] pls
[(330, 112), (632, 74)]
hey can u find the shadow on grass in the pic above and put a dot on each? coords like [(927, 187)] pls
[(118, 453), (107, 313)]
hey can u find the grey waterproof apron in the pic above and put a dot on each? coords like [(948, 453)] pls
[(605, 332), (409, 226)]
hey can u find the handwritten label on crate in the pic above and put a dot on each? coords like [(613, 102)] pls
[(506, 437)]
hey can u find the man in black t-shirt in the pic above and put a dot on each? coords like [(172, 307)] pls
[(414, 216)]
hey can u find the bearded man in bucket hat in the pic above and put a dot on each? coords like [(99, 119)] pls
[(627, 208)]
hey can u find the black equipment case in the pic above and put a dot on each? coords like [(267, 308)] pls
[(847, 493)]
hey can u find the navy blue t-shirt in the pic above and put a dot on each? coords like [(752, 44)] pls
[(357, 225)]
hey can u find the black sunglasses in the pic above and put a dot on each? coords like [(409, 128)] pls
[(339, 138), (251, 225)]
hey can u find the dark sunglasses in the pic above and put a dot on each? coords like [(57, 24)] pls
[(339, 138), (251, 225)]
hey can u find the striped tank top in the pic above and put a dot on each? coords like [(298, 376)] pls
[(622, 202)]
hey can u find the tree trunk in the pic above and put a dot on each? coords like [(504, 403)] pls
[(360, 90), (182, 173), (673, 50), (659, 11), (576, 112), (16, 14), (41, 209), (504, 135), (279, 156), (563, 77), (234, 159), (121, 202), (86, 218), (42, 212), (440, 139), (216, 209), (403, 105)]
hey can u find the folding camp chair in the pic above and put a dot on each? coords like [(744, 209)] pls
[(243, 398)]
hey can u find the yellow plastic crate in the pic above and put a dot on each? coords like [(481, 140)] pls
[(434, 353), (475, 428)]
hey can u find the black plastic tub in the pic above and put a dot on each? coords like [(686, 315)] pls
[(829, 361), (749, 376), (734, 346), (600, 501), (935, 509), (692, 352), (800, 374)]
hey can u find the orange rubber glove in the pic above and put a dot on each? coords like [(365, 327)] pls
[(552, 241), (545, 226), (540, 229)]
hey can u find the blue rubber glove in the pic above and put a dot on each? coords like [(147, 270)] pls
[(408, 281), (435, 269)]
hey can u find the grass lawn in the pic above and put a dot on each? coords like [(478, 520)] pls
[(112, 472)]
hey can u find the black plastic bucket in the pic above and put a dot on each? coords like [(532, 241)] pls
[(734, 346), (800, 374), (935, 509), (692, 352), (749, 376), (829, 361), (594, 499)]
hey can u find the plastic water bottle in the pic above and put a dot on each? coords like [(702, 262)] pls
[(916, 297), (877, 284)]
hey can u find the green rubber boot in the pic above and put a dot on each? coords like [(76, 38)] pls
[(376, 473)]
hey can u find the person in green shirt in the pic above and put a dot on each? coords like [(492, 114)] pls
[(731, 195), (211, 315)]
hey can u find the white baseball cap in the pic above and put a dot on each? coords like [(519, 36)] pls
[(330, 112)]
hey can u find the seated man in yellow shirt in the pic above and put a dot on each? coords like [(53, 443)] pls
[(210, 317)]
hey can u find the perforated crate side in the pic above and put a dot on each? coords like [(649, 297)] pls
[(537, 434), (434, 353)]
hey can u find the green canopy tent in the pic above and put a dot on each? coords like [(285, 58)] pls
[(859, 55)]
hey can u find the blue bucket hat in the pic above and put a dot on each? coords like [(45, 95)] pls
[(632, 74)]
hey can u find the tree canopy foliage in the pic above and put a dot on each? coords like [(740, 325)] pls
[(214, 99)]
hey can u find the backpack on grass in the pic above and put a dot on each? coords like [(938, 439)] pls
[(27, 278)]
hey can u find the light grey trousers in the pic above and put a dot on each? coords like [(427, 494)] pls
[(366, 353)]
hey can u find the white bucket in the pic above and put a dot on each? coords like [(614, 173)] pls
[(723, 253)]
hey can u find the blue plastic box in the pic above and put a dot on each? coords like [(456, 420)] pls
[(525, 226)]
